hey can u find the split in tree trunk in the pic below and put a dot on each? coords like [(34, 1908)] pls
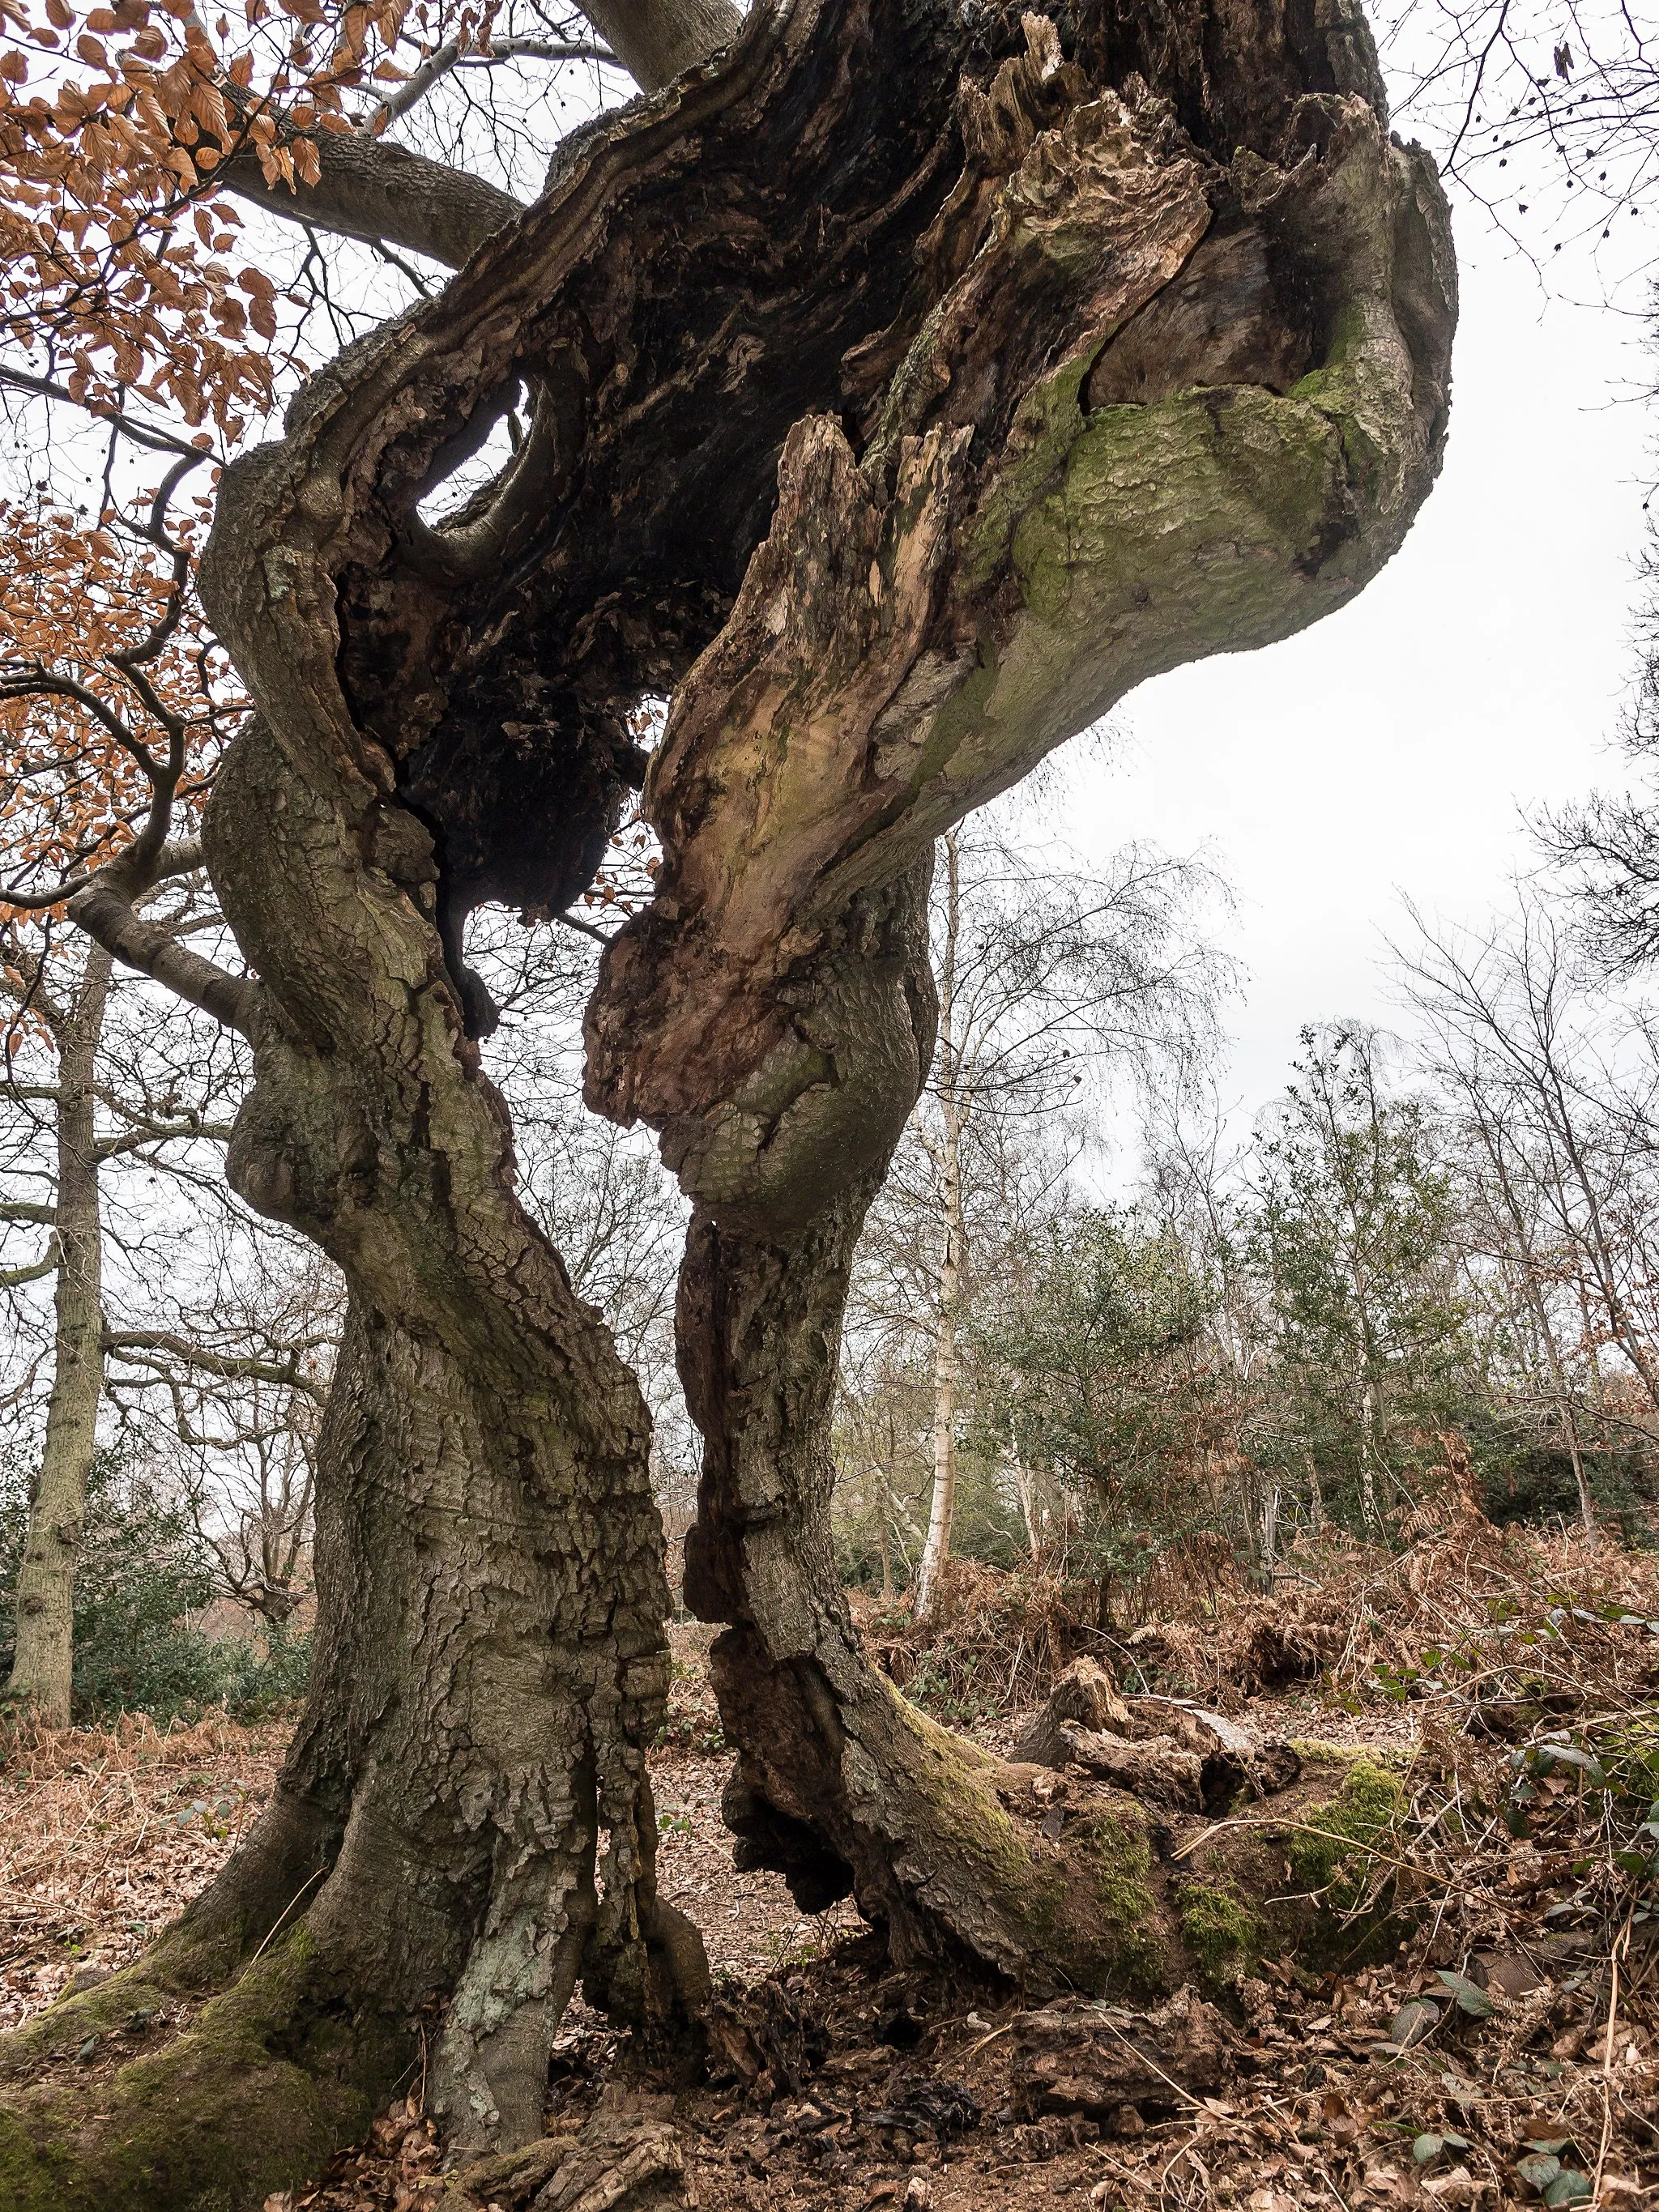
[(899, 396)]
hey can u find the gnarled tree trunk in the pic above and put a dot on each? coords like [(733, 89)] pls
[(1171, 379), (903, 387), (464, 1813)]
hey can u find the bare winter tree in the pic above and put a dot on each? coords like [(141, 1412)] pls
[(92, 1083), (228, 1396), (897, 390), (1051, 981), (1546, 116), (1559, 1091)]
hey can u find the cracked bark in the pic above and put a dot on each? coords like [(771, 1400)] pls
[(903, 391), (1155, 408)]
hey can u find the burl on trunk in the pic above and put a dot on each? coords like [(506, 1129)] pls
[(904, 385)]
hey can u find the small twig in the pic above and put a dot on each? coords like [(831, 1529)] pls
[(272, 1931), (1607, 2062), (1197, 2103), (968, 2055)]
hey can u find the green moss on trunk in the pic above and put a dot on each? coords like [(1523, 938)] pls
[(254, 2094), (1223, 1935)]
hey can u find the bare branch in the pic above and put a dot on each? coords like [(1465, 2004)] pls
[(134, 1345), (102, 911), (438, 65), (141, 433)]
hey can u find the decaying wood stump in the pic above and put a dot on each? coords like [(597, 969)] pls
[(1164, 1749)]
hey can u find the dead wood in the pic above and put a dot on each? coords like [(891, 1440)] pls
[(1079, 2056), (1164, 1749)]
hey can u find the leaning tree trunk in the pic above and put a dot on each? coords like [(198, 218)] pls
[(43, 1657), (464, 1813), (1147, 400)]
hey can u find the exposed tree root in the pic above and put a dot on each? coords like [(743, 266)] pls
[(102, 2111), (628, 2158)]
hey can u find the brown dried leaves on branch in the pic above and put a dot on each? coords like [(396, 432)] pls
[(104, 659), (119, 254)]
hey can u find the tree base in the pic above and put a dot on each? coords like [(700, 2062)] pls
[(628, 2158), (145, 2095)]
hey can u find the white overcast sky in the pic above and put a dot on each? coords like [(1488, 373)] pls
[(1391, 749)]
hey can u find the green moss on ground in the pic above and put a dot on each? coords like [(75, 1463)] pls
[(1222, 1934), (1319, 1750), (253, 2096), (1118, 1853), (1366, 1810)]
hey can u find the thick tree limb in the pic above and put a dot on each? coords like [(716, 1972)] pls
[(657, 40), (13, 1279), (102, 911), (382, 193)]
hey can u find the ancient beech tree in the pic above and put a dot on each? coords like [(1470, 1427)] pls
[(902, 385)]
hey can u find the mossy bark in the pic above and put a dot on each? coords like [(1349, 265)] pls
[(903, 389), (204, 2107)]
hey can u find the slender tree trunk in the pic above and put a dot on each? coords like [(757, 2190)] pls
[(1316, 1499), (1269, 1536), (953, 1253), (1570, 1430), (937, 1550), (44, 1658), (1025, 1489), (1370, 1511), (884, 1518)]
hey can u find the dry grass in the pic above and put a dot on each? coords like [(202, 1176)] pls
[(995, 1643), (1510, 1678), (106, 1833)]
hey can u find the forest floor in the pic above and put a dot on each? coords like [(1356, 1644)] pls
[(1505, 2052)]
